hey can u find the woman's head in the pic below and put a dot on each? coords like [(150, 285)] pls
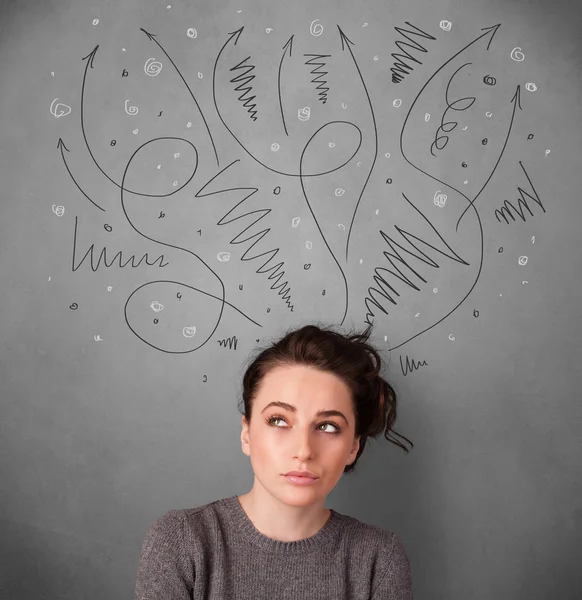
[(313, 369)]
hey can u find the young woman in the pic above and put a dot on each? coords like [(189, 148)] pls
[(311, 401)]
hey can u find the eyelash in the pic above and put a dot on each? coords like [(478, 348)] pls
[(276, 417)]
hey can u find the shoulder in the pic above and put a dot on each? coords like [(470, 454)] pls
[(383, 546), (184, 526)]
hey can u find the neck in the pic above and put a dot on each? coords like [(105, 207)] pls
[(281, 520)]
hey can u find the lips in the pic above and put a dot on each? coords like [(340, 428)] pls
[(302, 474)]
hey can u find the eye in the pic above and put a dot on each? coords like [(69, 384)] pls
[(279, 418)]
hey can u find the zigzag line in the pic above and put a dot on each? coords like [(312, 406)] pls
[(229, 341), (277, 272), (247, 102), (321, 83), (103, 257), (396, 258), (521, 203), (411, 366), (401, 69)]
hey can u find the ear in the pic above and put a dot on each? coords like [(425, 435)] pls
[(244, 436), (355, 447)]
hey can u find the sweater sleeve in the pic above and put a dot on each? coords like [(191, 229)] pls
[(165, 570), (396, 582)]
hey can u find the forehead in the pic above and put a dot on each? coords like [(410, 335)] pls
[(303, 384)]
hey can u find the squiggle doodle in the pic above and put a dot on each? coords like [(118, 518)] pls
[(131, 110), (314, 29), (517, 54), (59, 109), (152, 67), (439, 199), (303, 114)]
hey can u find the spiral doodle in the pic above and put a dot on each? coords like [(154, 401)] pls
[(314, 29), (131, 110), (517, 54), (59, 109), (439, 199), (156, 306), (152, 67)]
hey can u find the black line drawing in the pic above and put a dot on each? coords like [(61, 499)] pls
[(287, 140), (298, 163), (508, 210), (401, 69), (245, 79), (289, 45), (61, 146), (472, 274), (410, 365), (152, 37), (229, 342), (276, 270), (103, 257), (319, 75)]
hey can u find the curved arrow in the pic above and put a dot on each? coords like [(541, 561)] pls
[(235, 35), (347, 44), (61, 146), (220, 298), (152, 37), (290, 45), (516, 99), (516, 102)]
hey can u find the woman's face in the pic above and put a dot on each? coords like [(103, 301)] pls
[(281, 439)]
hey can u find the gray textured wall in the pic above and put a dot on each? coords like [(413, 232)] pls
[(152, 236)]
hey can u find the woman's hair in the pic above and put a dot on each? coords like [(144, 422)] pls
[(349, 357)]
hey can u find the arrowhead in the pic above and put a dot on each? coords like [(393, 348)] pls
[(237, 33), (517, 97), (150, 35), (290, 44), (91, 56), (344, 37), (61, 145), (493, 30)]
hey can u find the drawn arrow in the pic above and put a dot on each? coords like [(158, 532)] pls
[(516, 99), (289, 45), (234, 37), (491, 31), (90, 58), (346, 44), (61, 146), (152, 37)]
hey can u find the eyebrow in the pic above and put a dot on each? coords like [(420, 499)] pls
[(293, 409)]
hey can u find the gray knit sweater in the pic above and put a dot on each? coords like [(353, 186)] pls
[(214, 552)]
